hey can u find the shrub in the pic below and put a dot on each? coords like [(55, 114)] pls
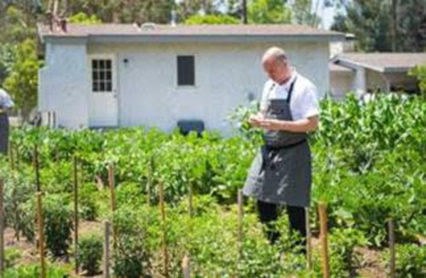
[(90, 251)]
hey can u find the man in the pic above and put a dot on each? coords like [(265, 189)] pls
[(281, 172), (5, 104)]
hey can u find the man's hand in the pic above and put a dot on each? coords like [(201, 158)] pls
[(272, 124), (256, 119)]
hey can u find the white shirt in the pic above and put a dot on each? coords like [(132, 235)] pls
[(5, 100), (304, 99)]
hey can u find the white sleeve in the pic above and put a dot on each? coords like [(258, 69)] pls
[(5, 100), (309, 103)]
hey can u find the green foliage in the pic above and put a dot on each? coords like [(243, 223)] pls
[(57, 225), (211, 19), (12, 255), (21, 82), (420, 73), (83, 18), (88, 206), (33, 270), (410, 260), (90, 251), (268, 11), (372, 23), (131, 255)]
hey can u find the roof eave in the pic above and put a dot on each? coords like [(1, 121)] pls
[(190, 38)]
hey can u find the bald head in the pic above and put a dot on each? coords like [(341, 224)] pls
[(274, 54), (276, 65)]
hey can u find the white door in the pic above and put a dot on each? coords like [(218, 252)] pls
[(103, 102)]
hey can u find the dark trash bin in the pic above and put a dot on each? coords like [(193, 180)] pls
[(185, 126)]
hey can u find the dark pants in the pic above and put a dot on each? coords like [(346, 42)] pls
[(4, 133), (268, 213)]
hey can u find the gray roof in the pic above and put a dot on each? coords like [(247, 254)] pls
[(166, 33), (381, 62)]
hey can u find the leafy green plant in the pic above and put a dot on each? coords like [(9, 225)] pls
[(57, 225), (90, 251), (88, 207), (410, 260)]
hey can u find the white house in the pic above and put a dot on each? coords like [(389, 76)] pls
[(155, 75), (370, 72)]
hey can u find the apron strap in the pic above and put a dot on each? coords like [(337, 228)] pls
[(290, 91)]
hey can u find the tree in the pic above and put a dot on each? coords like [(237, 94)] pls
[(420, 73), (384, 25), (303, 14), (83, 18), (211, 19), (268, 11), (22, 81)]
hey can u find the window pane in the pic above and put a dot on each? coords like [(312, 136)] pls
[(102, 86), (109, 75), (102, 64), (186, 70), (108, 64), (94, 64), (95, 76), (102, 75), (108, 86), (95, 86)]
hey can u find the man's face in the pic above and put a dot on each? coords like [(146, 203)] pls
[(275, 69)]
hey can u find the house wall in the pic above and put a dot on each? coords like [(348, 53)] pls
[(63, 84), (226, 76), (341, 82)]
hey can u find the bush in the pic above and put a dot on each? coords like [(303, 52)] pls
[(57, 225), (131, 257), (90, 251), (88, 207), (410, 261)]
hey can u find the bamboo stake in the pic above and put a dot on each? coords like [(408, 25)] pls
[(240, 216), (107, 249), (186, 270), (308, 241), (41, 233), (324, 239), (391, 227), (163, 220), (37, 169), (111, 182), (1, 228), (75, 170)]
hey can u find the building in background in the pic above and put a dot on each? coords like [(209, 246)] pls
[(113, 75)]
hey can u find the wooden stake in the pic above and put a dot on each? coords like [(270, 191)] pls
[(37, 169), (75, 170), (163, 220), (40, 222), (186, 270), (391, 227), (107, 249), (1, 228), (324, 239), (111, 182), (240, 216), (308, 241)]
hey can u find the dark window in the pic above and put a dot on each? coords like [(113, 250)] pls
[(101, 75), (186, 70)]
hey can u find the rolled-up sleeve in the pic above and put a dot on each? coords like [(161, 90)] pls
[(309, 103)]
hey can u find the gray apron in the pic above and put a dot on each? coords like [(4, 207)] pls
[(281, 171), (4, 133)]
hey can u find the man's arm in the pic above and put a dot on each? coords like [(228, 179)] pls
[(302, 125)]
